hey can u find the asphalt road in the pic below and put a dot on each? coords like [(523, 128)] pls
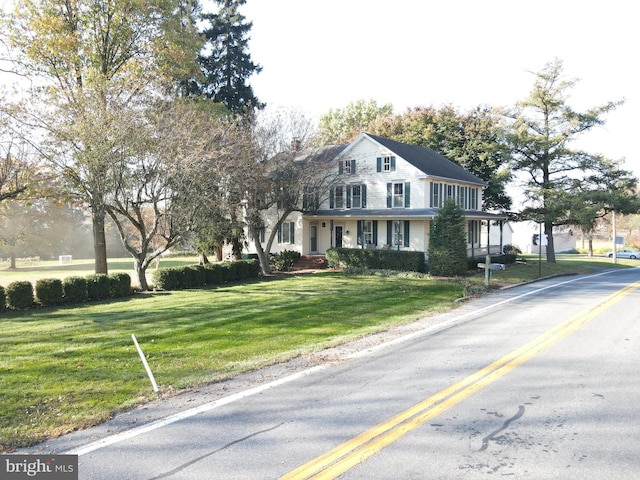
[(539, 381)]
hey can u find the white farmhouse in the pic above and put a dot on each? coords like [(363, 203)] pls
[(386, 196)]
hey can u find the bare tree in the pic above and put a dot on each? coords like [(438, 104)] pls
[(164, 174), (290, 176)]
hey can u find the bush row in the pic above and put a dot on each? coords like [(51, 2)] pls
[(194, 276), (53, 291), (376, 259)]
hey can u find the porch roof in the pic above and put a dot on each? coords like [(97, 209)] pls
[(398, 213)]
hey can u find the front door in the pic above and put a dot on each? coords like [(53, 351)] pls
[(338, 233), (313, 238)]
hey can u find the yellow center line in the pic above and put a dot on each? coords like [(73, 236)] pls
[(354, 451)]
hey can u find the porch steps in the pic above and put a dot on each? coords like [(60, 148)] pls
[(310, 262)]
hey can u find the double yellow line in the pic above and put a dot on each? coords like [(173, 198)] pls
[(344, 457)]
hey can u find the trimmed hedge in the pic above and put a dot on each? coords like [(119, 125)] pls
[(49, 291), (19, 295), (376, 259), (53, 291), (213, 273), (98, 286), (119, 284), (193, 276), (75, 289)]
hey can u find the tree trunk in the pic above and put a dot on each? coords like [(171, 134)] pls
[(99, 240), (203, 259), (12, 257), (218, 250), (141, 273), (263, 257), (551, 253)]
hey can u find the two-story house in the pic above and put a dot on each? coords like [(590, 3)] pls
[(385, 195)]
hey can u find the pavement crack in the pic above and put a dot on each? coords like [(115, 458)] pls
[(505, 425), (202, 457)]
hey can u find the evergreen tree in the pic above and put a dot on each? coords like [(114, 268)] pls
[(226, 65), (543, 129), (447, 243)]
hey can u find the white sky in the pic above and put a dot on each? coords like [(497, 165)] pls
[(318, 55), (324, 54)]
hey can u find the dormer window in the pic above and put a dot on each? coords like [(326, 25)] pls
[(347, 167), (386, 164)]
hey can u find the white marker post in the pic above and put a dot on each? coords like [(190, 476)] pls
[(145, 363)]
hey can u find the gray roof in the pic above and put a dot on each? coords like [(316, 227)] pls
[(428, 161)]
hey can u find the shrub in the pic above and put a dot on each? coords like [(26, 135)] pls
[(511, 250), (376, 259), (283, 261), (19, 294), (213, 273), (119, 284), (229, 271), (3, 299), (167, 278), (49, 291), (75, 289), (193, 276), (253, 268), (98, 286)]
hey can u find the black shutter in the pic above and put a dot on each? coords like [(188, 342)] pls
[(406, 233), (407, 194), (431, 194), (378, 164), (363, 193), (389, 193), (390, 232), (375, 232)]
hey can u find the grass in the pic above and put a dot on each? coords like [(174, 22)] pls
[(70, 367), (67, 368)]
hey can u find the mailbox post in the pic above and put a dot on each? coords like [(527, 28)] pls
[(488, 266)]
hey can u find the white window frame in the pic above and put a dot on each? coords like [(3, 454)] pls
[(397, 199), (367, 232), (353, 189), (341, 189)]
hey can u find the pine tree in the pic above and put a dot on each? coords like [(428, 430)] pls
[(447, 243), (226, 64)]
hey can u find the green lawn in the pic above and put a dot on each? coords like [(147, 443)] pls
[(66, 368), (69, 367)]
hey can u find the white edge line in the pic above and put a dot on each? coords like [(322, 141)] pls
[(134, 432)]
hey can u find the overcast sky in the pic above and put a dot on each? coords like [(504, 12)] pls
[(324, 54)]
